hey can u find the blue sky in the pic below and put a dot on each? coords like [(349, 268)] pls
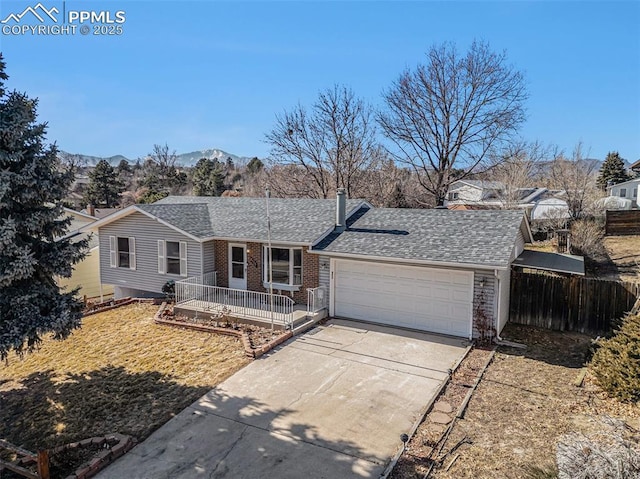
[(214, 74)]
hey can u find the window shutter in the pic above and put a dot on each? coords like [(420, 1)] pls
[(113, 252), (183, 258), (161, 261), (132, 252)]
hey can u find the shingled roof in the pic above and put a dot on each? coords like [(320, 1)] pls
[(293, 220), (482, 238)]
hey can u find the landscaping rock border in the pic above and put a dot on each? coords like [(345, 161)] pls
[(118, 445), (116, 303), (249, 350), (115, 445)]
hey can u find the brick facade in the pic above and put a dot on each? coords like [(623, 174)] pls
[(254, 269), (222, 262)]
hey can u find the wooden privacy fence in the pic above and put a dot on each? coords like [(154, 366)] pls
[(575, 303), (624, 222)]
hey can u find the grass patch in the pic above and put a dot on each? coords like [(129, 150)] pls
[(119, 373)]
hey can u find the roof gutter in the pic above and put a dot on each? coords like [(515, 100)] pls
[(253, 240), (445, 264)]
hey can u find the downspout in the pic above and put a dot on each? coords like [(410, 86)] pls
[(499, 303)]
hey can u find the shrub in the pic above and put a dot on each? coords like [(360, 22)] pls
[(586, 239), (169, 289), (616, 362), (612, 453)]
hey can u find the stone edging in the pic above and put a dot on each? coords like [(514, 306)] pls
[(249, 350), (119, 445), (115, 445), (113, 304), (423, 414)]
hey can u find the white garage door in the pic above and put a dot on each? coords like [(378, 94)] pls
[(428, 299)]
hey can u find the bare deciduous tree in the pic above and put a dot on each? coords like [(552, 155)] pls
[(160, 175), (452, 113), (164, 157), (332, 144), (517, 168), (390, 186), (577, 177)]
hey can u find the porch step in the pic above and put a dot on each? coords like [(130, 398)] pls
[(308, 322)]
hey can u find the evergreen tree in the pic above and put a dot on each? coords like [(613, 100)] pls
[(612, 170), (208, 178), (616, 362), (32, 251), (160, 175), (150, 183), (123, 167), (255, 165), (105, 186), (125, 174)]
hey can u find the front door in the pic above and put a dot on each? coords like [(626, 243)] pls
[(238, 266)]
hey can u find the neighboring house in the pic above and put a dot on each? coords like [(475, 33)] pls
[(475, 193), (98, 213), (432, 270), (539, 203), (627, 190), (549, 208), (635, 167), (86, 274)]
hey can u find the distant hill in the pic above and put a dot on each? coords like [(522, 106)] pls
[(190, 159), (183, 159)]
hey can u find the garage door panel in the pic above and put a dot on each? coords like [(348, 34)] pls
[(421, 298), (461, 295)]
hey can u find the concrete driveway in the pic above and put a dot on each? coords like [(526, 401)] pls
[(331, 403)]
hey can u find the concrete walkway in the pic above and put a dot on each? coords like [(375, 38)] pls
[(331, 403)]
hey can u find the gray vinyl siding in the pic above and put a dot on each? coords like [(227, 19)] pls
[(324, 276), (146, 232), (484, 297), (208, 257)]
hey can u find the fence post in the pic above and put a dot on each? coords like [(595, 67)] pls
[(43, 464)]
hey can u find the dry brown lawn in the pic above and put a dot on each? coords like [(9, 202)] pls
[(624, 254), (119, 373), (525, 402), (549, 246)]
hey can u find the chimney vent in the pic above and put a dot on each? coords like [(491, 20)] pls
[(341, 210), (91, 211)]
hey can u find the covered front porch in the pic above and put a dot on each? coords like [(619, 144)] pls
[(199, 296)]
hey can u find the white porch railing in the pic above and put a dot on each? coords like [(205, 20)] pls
[(316, 299), (250, 304)]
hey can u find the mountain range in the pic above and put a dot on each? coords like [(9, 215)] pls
[(183, 159)]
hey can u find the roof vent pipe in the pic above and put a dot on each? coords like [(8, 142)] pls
[(341, 210)]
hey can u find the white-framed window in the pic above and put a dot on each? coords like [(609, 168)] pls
[(286, 265), (172, 257), (122, 252), (623, 192), (453, 196)]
